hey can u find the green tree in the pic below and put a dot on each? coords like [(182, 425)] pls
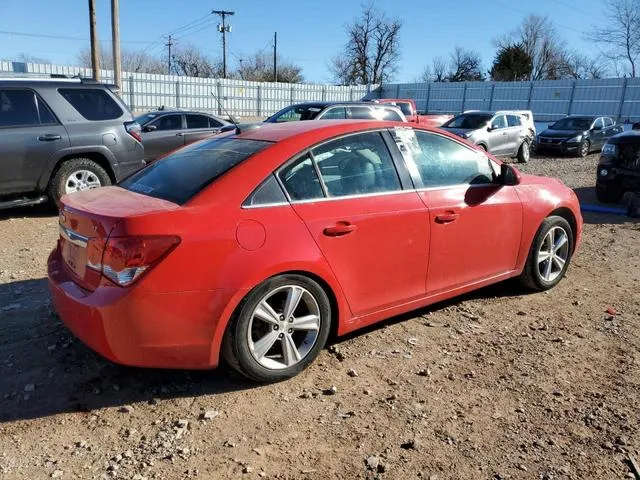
[(512, 63)]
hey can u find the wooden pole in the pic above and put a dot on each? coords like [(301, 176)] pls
[(95, 47), (115, 41)]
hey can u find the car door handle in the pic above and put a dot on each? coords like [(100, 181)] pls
[(179, 134), (447, 217), (504, 134), (50, 137), (339, 229)]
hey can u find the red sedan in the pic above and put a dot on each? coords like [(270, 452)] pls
[(256, 245)]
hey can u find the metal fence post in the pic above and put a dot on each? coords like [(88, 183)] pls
[(493, 89), (464, 95), (258, 100), (622, 97), (573, 91), (530, 95), (324, 94), (132, 103), (397, 90), (351, 94), (219, 92), (426, 107), (177, 93), (292, 95)]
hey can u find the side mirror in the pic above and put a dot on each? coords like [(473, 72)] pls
[(489, 128), (596, 127), (508, 175), (149, 128)]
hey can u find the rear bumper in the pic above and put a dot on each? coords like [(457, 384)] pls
[(133, 326)]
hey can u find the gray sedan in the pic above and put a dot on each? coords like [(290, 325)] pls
[(166, 130)]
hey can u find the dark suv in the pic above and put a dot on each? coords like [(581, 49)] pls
[(619, 167), (62, 135)]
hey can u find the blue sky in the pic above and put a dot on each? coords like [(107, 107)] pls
[(309, 32)]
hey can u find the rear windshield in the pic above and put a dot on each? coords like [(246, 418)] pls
[(181, 175), (468, 120)]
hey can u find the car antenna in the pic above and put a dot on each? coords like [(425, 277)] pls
[(233, 120)]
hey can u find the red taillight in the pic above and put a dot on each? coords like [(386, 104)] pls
[(134, 129), (124, 259)]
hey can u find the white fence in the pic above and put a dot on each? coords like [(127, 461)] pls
[(145, 91)]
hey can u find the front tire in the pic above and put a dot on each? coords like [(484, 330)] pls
[(549, 255), (584, 149), (524, 152), (279, 329), (75, 175)]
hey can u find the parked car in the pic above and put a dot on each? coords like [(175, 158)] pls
[(60, 136), (292, 231), (337, 111), (408, 107), (619, 167), (166, 130), (508, 133), (577, 135)]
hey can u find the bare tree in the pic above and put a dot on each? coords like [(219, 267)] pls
[(259, 68), (136, 61), (372, 51), (465, 65), (192, 62), (579, 66), (539, 37), (439, 68), (621, 35)]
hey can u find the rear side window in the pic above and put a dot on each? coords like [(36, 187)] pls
[(168, 122), (514, 121), (360, 113), (22, 107), (268, 193), (335, 113), (180, 176), (387, 114), (301, 180), (197, 121), (92, 103)]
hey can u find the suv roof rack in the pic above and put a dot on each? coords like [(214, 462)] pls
[(42, 77)]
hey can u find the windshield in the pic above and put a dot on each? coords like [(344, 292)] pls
[(572, 124), (469, 120), (147, 117), (181, 175), (295, 113)]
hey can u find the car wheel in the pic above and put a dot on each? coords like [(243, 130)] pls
[(483, 147), (76, 175), (611, 193), (549, 255), (279, 329), (524, 152), (584, 149)]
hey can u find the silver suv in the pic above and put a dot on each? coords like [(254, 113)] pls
[(504, 134), (62, 135)]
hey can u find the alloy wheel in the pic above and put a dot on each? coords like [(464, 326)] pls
[(284, 327), (553, 254), (81, 180)]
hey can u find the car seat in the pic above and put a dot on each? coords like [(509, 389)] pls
[(304, 184), (359, 176)]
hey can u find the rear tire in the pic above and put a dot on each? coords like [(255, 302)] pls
[(611, 193), (549, 255), (76, 174), (268, 339), (524, 152)]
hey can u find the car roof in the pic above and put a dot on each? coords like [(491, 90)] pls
[(275, 132), (332, 103), (163, 112)]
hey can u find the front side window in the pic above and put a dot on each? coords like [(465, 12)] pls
[(514, 121), (386, 114), (335, 113), (499, 122), (92, 103), (608, 122), (444, 162), (359, 113), (181, 175), (357, 164), (599, 123), (168, 122), (18, 107), (471, 121)]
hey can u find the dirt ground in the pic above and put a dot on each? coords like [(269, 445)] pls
[(495, 385)]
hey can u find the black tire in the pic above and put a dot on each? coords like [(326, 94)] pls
[(611, 193), (584, 149), (483, 147), (524, 152), (57, 184), (235, 345), (531, 276)]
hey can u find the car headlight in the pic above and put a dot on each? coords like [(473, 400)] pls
[(604, 172), (609, 149), (576, 139)]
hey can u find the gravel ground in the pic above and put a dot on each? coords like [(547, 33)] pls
[(495, 385)]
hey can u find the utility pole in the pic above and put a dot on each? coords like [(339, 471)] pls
[(169, 44), (224, 28), (115, 42), (275, 56), (95, 47)]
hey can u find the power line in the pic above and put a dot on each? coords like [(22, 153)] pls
[(224, 29), (194, 31), (572, 7), (62, 37), (190, 24)]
